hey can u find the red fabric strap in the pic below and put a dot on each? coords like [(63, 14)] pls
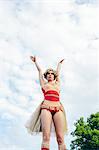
[(44, 149), (51, 95), (52, 92), (51, 98)]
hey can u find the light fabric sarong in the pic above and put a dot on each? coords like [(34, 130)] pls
[(33, 125)]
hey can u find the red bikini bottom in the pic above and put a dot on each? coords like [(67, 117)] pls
[(52, 109)]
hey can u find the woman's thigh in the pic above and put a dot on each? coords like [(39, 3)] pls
[(46, 120), (58, 120)]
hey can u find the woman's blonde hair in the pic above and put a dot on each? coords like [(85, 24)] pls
[(48, 70)]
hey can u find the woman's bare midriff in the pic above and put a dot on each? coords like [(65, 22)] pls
[(51, 103)]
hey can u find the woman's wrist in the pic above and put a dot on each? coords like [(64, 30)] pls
[(61, 61)]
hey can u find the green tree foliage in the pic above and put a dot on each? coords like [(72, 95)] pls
[(86, 134)]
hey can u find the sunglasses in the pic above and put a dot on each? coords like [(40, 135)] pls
[(50, 73)]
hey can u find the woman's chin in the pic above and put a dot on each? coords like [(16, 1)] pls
[(49, 80)]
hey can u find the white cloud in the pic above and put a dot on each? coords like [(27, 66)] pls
[(51, 30), (15, 110)]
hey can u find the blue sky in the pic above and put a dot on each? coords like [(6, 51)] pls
[(51, 30)]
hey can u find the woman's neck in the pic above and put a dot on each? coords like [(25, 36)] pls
[(51, 81)]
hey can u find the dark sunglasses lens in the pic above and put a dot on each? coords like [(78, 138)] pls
[(50, 73)]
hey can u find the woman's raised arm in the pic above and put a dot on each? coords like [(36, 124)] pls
[(41, 79), (58, 69)]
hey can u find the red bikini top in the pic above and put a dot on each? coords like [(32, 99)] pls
[(51, 95)]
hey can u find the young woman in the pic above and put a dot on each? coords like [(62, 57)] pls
[(50, 110)]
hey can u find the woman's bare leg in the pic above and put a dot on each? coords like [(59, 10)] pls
[(46, 120), (58, 119)]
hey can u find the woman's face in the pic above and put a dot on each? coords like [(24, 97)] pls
[(50, 76)]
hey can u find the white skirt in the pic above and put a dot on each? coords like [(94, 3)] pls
[(33, 125)]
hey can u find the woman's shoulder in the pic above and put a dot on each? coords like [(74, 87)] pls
[(57, 82), (44, 85)]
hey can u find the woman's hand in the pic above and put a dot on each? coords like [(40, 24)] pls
[(33, 58), (61, 61)]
